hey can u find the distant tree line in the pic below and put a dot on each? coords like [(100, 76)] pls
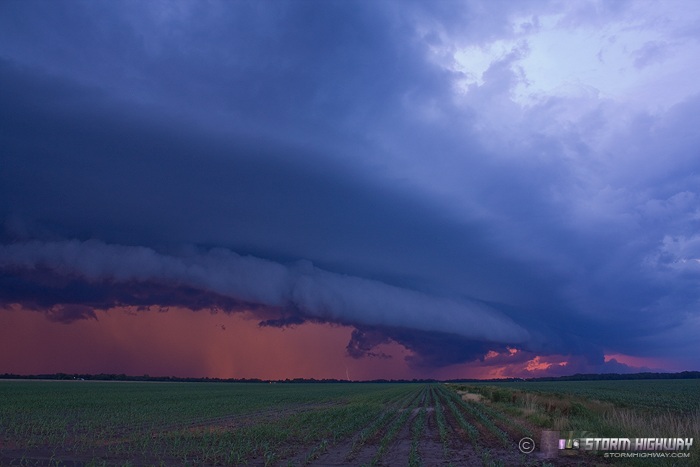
[(593, 377), (616, 376), (123, 377)]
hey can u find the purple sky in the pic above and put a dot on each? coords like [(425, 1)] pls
[(456, 177)]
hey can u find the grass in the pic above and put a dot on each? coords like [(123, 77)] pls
[(678, 395), (641, 408)]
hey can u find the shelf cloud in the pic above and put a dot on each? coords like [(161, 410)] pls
[(298, 292)]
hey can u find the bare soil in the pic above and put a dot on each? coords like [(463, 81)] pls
[(488, 449)]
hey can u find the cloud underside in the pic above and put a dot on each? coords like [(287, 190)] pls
[(70, 279)]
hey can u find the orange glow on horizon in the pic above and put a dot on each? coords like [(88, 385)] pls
[(183, 343)]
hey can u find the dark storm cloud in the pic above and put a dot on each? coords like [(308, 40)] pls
[(314, 293), (197, 154), (41, 288), (364, 341), (130, 185), (69, 313)]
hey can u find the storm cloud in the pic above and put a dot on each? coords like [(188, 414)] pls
[(446, 176), (312, 292)]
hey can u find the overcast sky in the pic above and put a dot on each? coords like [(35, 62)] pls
[(456, 177)]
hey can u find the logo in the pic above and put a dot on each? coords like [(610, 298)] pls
[(526, 445)]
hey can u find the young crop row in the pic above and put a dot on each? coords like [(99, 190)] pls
[(374, 430), (461, 411), (368, 420), (441, 421), (414, 457), (281, 439), (469, 429), (258, 424), (394, 428), (479, 412), (47, 410), (219, 423)]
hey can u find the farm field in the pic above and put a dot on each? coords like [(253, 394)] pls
[(75, 423)]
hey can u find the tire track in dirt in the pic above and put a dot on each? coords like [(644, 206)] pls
[(461, 450), (390, 435), (397, 453), (430, 446), (489, 447), (354, 451)]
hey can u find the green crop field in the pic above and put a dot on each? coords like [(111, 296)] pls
[(74, 423)]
